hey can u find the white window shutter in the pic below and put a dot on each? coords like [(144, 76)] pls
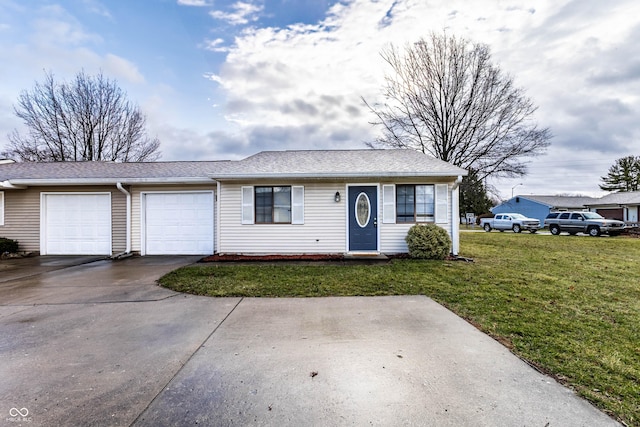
[(247, 205), (442, 203), (389, 204), (297, 204), (1, 207)]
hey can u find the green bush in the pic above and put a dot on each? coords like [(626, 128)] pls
[(8, 245), (428, 241)]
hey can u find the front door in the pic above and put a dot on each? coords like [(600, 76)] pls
[(363, 218)]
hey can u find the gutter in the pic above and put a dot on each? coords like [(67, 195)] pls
[(7, 184), (19, 182), (342, 175), (127, 251)]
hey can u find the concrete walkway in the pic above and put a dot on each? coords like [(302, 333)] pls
[(91, 345)]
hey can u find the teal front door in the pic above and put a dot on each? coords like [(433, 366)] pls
[(363, 218)]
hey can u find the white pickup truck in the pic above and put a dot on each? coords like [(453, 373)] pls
[(510, 221)]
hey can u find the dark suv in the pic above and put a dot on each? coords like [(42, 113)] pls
[(589, 223)]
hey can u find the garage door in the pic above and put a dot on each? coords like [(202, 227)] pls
[(178, 223), (76, 224)]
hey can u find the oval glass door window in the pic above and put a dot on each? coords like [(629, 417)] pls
[(363, 210)]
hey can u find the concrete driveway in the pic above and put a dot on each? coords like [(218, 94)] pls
[(100, 344)]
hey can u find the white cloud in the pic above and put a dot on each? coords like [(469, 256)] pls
[(94, 6), (198, 3), (216, 45), (312, 76), (118, 66), (242, 13)]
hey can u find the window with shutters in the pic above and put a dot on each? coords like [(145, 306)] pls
[(273, 205)]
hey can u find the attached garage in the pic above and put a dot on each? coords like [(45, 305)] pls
[(75, 224), (177, 223), (612, 213)]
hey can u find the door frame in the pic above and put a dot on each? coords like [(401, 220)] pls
[(346, 216)]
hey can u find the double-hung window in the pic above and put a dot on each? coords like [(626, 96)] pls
[(415, 203), (273, 205)]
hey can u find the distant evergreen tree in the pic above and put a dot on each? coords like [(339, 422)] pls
[(624, 175), (473, 195)]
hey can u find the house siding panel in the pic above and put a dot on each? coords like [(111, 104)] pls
[(392, 236), (22, 218), (323, 231), (22, 215), (136, 219)]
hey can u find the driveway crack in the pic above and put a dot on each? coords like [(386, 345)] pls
[(186, 362)]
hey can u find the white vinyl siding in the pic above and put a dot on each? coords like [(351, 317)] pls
[(1, 208), (321, 228), (392, 235)]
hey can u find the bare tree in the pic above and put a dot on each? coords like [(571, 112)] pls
[(88, 118), (447, 99)]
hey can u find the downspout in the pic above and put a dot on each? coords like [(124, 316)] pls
[(455, 216), (216, 232), (127, 251)]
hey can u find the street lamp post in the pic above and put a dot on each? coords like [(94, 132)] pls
[(513, 188)]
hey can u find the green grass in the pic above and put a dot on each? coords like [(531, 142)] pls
[(568, 305)]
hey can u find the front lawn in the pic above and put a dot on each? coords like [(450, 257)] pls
[(570, 305)]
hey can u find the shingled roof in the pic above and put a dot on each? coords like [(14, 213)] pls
[(337, 164), (70, 170), (566, 202), (621, 198), (268, 164)]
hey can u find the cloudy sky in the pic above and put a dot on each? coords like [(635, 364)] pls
[(222, 79)]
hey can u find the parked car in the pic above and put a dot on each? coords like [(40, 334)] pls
[(589, 223), (510, 221)]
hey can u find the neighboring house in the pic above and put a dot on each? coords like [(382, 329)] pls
[(540, 206), (622, 206), (287, 202)]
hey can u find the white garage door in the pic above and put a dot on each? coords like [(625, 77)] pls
[(76, 224), (178, 223)]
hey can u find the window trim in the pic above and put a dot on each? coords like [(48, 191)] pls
[(273, 204), (415, 215), (1, 208)]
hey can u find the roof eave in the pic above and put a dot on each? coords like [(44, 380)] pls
[(30, 182), (353, 175)]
